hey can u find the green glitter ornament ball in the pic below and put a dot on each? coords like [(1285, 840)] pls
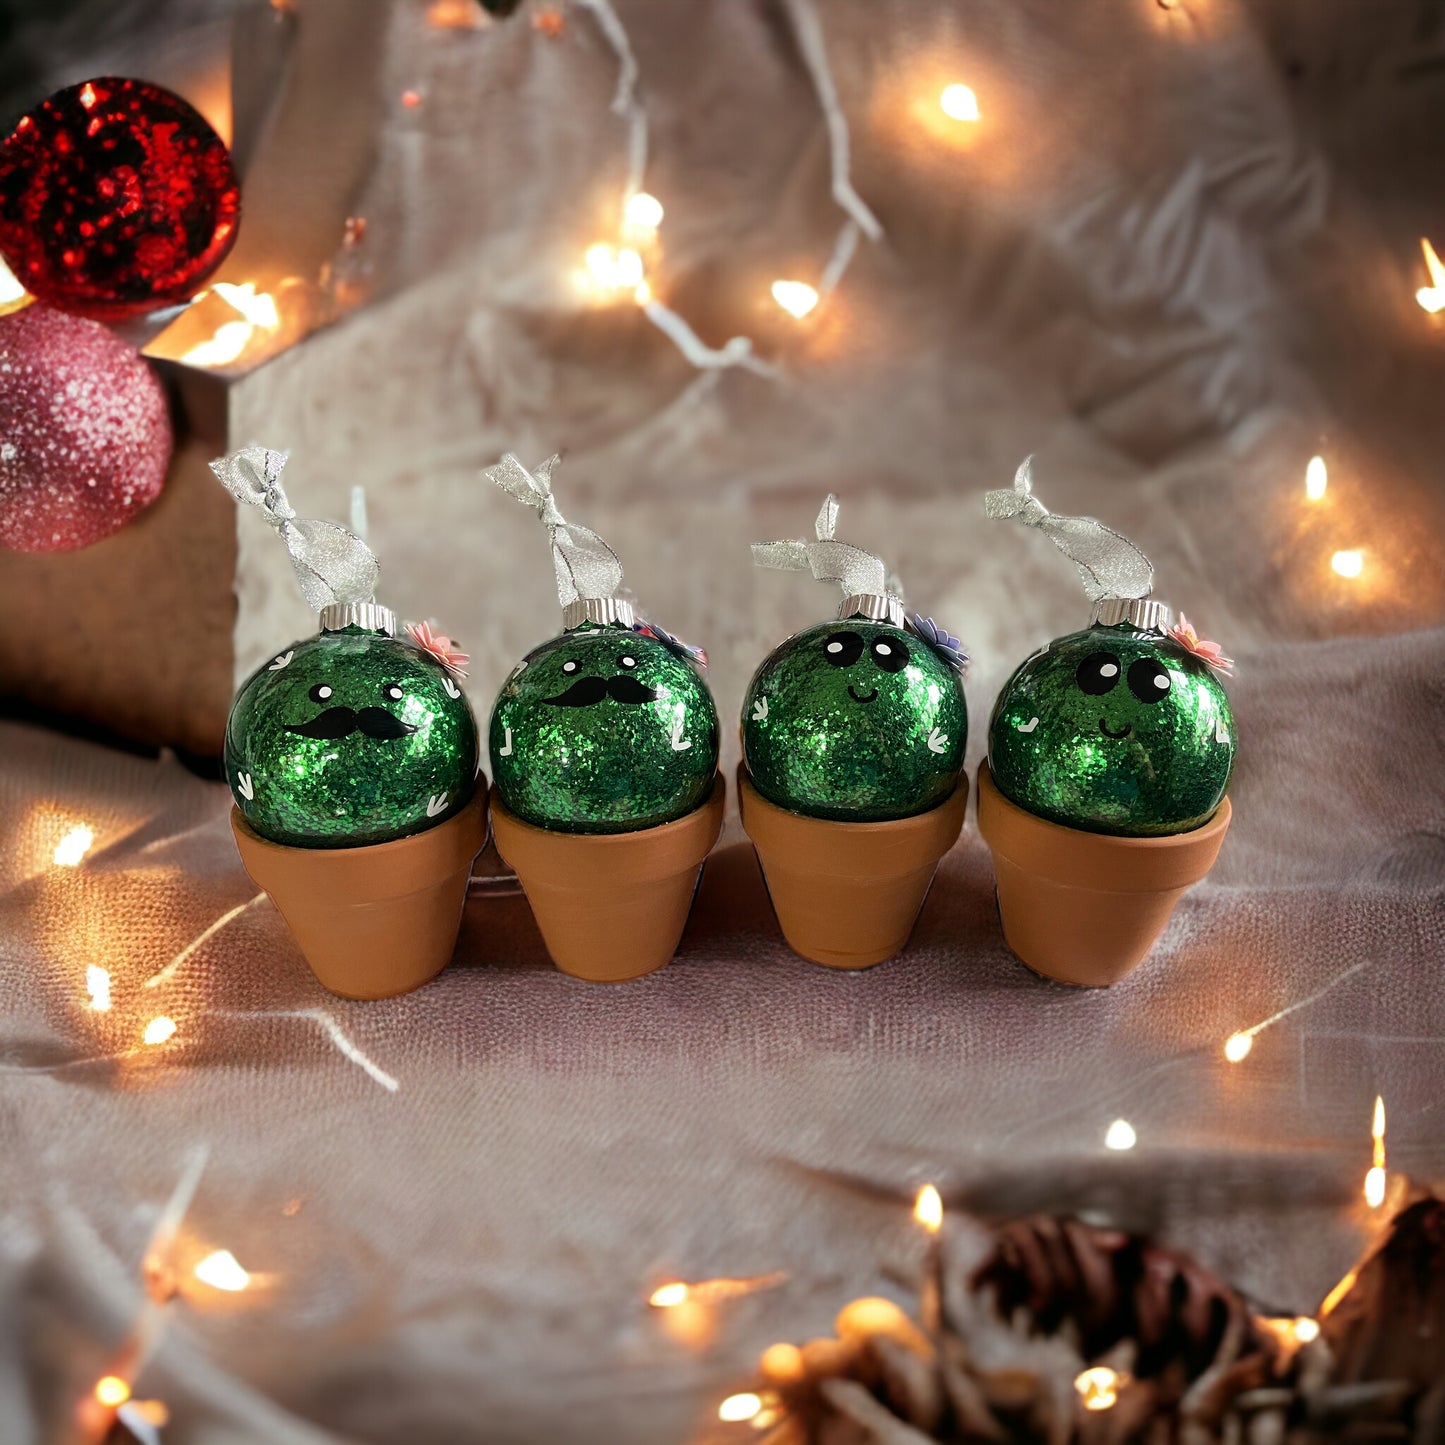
[(1114, 730), (350, 738), (603, 730), (854, 720)]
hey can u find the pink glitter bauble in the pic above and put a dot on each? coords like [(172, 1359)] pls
[(85, 436)]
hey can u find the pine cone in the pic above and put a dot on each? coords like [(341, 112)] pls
[(1192, 1363), (1114, 1287), (1391, 1325), (883, 1381)]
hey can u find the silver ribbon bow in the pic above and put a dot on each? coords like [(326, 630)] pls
[(331, 563), (1109, 563), (857, 572), (586, 566)]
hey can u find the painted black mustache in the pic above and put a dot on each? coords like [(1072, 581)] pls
[(589, 690), (341, 722)]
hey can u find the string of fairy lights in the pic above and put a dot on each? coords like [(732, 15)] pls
[(620, 266), (1099, 1386), (685, 1305)]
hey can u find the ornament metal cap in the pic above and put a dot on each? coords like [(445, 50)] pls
[(874, 606), (868, 590), (1144, 613), (601, 610), (368, 616)]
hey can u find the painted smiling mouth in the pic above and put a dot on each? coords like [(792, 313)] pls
[(856, 697), (1110, 733), (589, 691), (341, 722)]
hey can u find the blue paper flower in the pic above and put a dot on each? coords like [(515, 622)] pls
[(695, 655), (948, 647)]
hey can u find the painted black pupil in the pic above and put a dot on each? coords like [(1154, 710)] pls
[(626, 661), (843, 649), (891, 656), (1148, 681), (320, 692), (1097, 673)]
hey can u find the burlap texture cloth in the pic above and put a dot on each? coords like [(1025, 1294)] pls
[(1175, 258)]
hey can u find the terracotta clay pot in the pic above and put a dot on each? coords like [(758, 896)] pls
[(373, 921), (610, 906), (1085, 908), (848, 894)]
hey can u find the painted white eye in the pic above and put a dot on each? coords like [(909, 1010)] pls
[(394, 693), (323, 692), (834, 647), (1109, 669), (1161, 680), (569, 667), (883, 648), (627, 661)]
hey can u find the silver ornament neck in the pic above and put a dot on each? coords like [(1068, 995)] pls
[(874, 606), (600, 610), (1144, 613), (368, 616)]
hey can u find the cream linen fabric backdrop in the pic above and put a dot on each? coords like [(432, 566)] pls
[(1176, 257)]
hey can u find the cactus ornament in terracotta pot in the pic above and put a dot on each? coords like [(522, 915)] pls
[(853, 738), (1109, 752), (604, 744), (352, 759)]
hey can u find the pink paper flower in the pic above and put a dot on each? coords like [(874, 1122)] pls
[(439, 646), (1209, 653)]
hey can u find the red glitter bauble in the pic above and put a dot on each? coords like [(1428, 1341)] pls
[(85, 436), (116, 198)]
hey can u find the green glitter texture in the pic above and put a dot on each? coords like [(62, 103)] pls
[(854, 720), (345, 792), (608, 765), (1083, 734)]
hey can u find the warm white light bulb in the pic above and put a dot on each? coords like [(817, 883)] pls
[(158, 1030), (1317, 478), (795, 297), (97, 985), (111, 1391), (643, 211), (73, 847), (958, 102), (601, 263), (1098, 1387), (1375, 1187), (627, 270), (1120, 1135), (928, 1209), (1375, 1179), (739, 1407), (221, 1270), (1237, 1047), (1348, 563), (1432, 297)]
